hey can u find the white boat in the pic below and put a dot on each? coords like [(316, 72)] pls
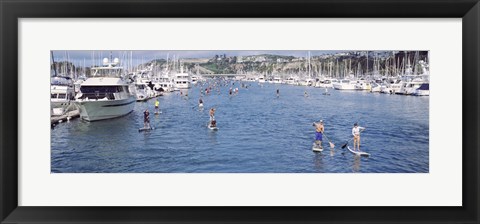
[(392, 87), (409, 87), (277, 80), (326, 83), (290, 80), (182, 80), (375, 87), (141, 91), (308, 82), (362, 85), (105, 95), (344, 84), (166, 83), (194, 79), (61, 93)]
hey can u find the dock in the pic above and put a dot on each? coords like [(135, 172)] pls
[(65, 117)]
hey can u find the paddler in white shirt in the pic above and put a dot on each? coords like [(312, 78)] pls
[(356, 136)]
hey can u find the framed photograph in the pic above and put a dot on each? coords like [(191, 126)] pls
[(250, 112)]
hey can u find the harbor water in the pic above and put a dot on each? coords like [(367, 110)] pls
[(258, 133)]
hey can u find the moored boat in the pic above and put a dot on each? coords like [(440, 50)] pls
[(105, 95)]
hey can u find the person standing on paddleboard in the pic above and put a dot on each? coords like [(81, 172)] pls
[(319, 129), (212, 117), (356, 136), (146, 119), (157, 105)]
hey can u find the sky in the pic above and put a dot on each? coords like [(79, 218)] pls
[(81, 56)]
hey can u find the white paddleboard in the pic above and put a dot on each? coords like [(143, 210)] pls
[(212, 128), (200, 105), (360, 153), (146, 129), (316, 148)]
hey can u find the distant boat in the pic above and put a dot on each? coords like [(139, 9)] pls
[(362, 85), (277, 80), (423, 90), (345, 84), (105, 94), (61, 93), (182, 80), (326, 83)]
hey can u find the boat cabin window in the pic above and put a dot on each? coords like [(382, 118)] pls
[(99, 92), (115, 72)]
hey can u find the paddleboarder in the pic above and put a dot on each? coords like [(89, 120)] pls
[(146, 119), (356, 136), (319, 129), (157, 105)]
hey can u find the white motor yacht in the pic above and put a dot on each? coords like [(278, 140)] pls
[(182, 80), (363, 85), (105, 93), (277, 80), (344, 84)]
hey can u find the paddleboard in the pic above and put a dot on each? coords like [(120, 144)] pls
[(316, 148), (146, 129), (359, 153), (327, 94), (157, 113), (212, 128), (200, 105)]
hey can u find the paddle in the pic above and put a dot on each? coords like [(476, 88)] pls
[(329, 142), (346, 143)]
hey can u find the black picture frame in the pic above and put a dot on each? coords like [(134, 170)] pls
[(12, 10)]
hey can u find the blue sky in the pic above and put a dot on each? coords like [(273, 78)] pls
[(78, 56)]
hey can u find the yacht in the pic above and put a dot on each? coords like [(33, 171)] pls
[(345, 84), (409, 87), (105, 94), (182, 80), (375, 87), (326, 83), (166, 83), (290, 80), (141, 91), (61, 93), (363, 85), (392, 86), (277, 80)]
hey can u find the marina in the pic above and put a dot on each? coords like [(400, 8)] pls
[(263, 121)]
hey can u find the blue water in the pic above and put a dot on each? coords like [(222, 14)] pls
[(258, 133)]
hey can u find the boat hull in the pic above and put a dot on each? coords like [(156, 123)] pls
[(344, 86), (94, 110)]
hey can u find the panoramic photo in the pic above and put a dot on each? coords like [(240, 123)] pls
[(239, 111)]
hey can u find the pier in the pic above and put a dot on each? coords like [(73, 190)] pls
[(65, 117)]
